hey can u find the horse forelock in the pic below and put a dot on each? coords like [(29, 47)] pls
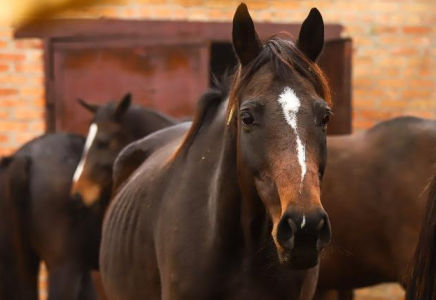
[(285, 57)]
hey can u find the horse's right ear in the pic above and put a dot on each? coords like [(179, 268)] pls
[(123, 105), (311, 37), (88, 106), (245, 40)]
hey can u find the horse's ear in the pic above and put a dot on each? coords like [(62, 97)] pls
[(88, 106), (123, 106), (311, 37), (245, 40)]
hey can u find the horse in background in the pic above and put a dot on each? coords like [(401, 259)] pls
[(62, 223), (374, 190), (229, 206), (113, 127)]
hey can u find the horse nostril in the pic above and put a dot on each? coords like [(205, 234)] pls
[(292, 224), (324, 233), (320, 225), (286, 232)]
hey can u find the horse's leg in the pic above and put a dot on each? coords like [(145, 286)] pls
[(18, 273), (326, 295), (345, 294), (65, 281)]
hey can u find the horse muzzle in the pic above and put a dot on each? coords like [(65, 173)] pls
[(302, 237)]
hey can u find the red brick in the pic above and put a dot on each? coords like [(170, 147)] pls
[(395, 104), (27, 67), (12, 126), (29, 44), (4, 67), (405, 51), (391, 83), (38, 126), (188, 3), (12, 79), (12, 57), (8, 92), (4, 138), (359, 103), (416, 94), (6, 150), (8, 103), (33, 92), (416, 29), (29, 114)]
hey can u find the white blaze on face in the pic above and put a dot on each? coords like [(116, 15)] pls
[(89, 140), (303, 222), (291, 105)]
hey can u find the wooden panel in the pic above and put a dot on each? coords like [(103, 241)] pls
[(336, 63), (211, 31), (165, 76), (92, 41)]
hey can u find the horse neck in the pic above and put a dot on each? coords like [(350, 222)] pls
[(238, 219)]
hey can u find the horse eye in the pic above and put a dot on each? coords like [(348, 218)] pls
[(326, 119), (247, 118)]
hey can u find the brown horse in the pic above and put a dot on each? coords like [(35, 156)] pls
[(64, 231), (16, 264), (231, 208), (373, 191), (422, 281)]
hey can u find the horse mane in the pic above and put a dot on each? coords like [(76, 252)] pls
[(422, 272), (207, 107), (286, 58)]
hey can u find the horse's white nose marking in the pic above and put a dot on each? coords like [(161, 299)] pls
[(291, 105), (89, 140), (303, 222)]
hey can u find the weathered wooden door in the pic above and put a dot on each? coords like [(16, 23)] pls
[(166, 76), (165, 65)]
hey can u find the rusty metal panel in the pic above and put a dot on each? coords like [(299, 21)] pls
[(336, 63), (166, 76)]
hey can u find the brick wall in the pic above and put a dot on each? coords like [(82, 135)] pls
[(21, 90), (394, 58)]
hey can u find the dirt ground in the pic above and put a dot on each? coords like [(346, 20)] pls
[(379, 292)]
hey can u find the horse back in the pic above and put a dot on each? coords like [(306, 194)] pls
[(391, 165), (134, 154)]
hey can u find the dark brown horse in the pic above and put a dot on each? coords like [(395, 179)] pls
[(54, 227), (16, 264), (231, 208), (374, 191)]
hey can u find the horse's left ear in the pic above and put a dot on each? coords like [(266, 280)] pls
[(123, 106), (311, 37), (245, 40)]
